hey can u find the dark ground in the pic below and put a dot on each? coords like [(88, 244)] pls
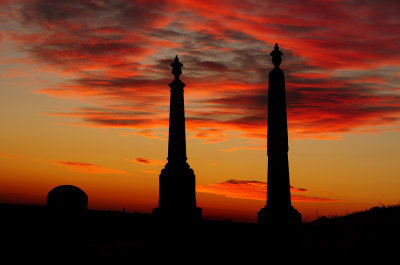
[(31, 232)]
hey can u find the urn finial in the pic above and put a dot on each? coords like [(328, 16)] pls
[(276, 56), (176, 67)]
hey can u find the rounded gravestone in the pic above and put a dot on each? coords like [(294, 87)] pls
[(67, 199)]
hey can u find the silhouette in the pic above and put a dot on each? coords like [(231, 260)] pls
[(177, 195), (67, 199), (278, 208), (27, 231)]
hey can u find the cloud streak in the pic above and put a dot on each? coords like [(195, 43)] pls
[(4, 155), (253, 190), (87, 168), (148, 162)]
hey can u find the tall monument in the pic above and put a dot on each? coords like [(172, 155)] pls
[(177, 194), (279, 209)]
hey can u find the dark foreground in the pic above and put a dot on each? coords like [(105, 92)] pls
[(31, 232)]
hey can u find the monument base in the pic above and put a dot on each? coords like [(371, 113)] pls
[(177, 200), (279, 217)]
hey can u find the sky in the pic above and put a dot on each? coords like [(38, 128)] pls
[(85, 101)]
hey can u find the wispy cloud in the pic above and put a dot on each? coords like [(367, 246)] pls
[(253, 190), (88, 168), (148, 133), (149, 162), (4, 155), (151, 171), (237, 148), (340, 79)]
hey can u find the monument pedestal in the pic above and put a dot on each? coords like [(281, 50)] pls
[(177, 198), (271, 216)]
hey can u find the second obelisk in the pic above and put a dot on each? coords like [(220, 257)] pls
[(279, 209), (177, 191)]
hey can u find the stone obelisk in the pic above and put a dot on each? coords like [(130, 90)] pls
[(177, 194), (279, 209)]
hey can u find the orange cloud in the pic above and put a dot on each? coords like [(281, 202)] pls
[(210, 135), (9, 156), (149, 162), (236, 148), (151, 171), (88, 168), (252, 190), (148, 133)]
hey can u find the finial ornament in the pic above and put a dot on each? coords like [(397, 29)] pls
[(276, 56), (176, 67)]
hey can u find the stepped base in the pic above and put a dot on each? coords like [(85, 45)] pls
[(279, 217), (177, 200)]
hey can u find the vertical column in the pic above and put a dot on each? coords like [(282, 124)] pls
[(278, 208), (177, 194)]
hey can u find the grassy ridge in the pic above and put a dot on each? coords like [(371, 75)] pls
[(34, 231)]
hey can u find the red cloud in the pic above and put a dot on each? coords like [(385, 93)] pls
[(88, 168), (253, 190), (340, 79), (148, 161)]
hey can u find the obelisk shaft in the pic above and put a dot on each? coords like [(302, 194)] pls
[(278, 186), (177, 133), (278, 209)]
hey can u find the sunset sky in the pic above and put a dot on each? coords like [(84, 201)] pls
[(85, 101)]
